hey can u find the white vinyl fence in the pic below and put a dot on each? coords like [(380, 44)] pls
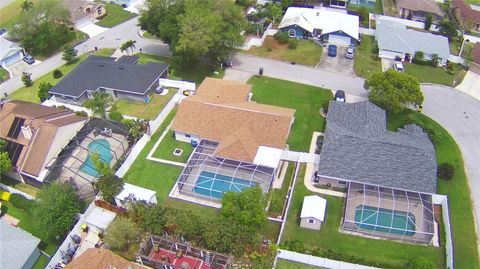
[(13, 190), (318, 261), (52, 102), (442, 200), (179, 84), (258, 41)]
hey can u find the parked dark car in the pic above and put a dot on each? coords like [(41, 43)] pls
[(340, 96), (3, 31), (28, 59), (227, 63), (332, 50)]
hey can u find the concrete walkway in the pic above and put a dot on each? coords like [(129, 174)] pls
[(470, 85)]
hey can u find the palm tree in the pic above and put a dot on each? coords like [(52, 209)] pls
[(130, 44), (26, 5), (99, 103)]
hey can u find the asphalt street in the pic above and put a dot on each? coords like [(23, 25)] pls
[(112, 38), (457, 112)]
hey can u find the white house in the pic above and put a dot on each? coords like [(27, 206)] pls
[(131, 192), (396, 41), (10, 52), (329, 25), (313, 212)]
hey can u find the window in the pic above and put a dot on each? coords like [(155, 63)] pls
[(341, 182), (292, 33), (115, 93), (89, 95), (187, 136), (311, 221)]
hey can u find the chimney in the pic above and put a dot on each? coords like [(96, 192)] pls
[(27, 132)]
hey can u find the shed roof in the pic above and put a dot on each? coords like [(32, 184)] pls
[(16, 246), (325, 19), (395, 36), (100, 218), (104, 72), (357, 147), (314, 206), (139, 192)]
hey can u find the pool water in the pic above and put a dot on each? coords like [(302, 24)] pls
[(401, 222), (215, 185), (102, 147)]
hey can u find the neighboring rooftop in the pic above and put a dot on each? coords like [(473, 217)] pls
[(430, 6), (357, 147), (105, 72), (394, 36), (314, 206), (466, 11), (16, 247), (320, 18), (30, 130), (8, 48), (240, 128), (95, 258)]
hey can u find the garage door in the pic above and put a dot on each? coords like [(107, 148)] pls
[(339, 40), (83, 22), (12, 59)]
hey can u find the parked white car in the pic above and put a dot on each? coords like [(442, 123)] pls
[(398, 66)]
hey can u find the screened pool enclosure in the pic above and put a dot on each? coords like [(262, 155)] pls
[(389, 213), (208, 177)]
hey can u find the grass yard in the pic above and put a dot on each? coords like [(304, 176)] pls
[(115, 15), (366, 59), (29, 189), (437, 75), (461, 214), (277, 196), (4, 75), (473, 2), (284, 264), (306, 100), (195, 74), (380, 253), (10, 13), (168, 145), (30, 94), (307, 52), (455, 46), (142, 110)]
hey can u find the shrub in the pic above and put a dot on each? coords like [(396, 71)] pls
[(122, 233), (325, 106), (115, 116), (27, 79), (81, 113), (418, 57), (446, 171), (57, 73), (434, 134), (43, 89), (269, 49), (19, 201), (281, 37), (421, 263), (413, 119), (292, 43)]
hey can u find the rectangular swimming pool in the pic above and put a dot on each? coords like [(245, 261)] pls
[(214, 185), (381, 219)]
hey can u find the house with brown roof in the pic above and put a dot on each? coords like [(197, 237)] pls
[(35, 134), (84, 12), (468, 17), (417, 10), (221, 111), (238, 143), (475, 55), (95, 258)]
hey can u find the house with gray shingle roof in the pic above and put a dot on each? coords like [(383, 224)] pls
[(358, 147), (123, 78), (18, 249), (396, 41)]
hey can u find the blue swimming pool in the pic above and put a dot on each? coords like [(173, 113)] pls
[(214, 185), (384, 220), (100, 146)]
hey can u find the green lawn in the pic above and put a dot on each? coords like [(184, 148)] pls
[(29, 189), (380, 253), (306, 100), (366, 58), (307, 52), (4, 75), (437, 75), (377, 8), (30, 94), (284, 264), (10, 13), (194, 74), (474, 2), (461, 214), (168, 145), (115, 15), (142, 110), (278, 196), (26, 223)]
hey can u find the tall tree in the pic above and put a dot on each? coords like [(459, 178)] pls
[(130, 44), (43, 89), (428, 22), (5, 163), (69, 53), (99, 103), (394, 90), (246, 208), (275, 12), (448, 29), (27, 79), (26, 5), (159, 17), (55, 209), (122, 233)]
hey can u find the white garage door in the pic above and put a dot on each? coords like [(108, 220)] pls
[(83, 22), (339, 40), (12, 59)]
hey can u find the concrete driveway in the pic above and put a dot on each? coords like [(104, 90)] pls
[(92, 29), (387, 64), (338, 64), (19, 67), (470, 85)]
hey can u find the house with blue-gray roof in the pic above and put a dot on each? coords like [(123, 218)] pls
[(18, 249)]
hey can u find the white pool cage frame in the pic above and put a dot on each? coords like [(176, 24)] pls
[(417, 206), (203, 159)]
